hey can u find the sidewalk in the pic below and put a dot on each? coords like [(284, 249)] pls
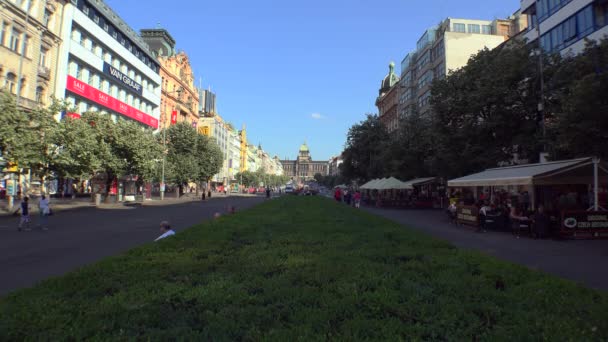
[(578, 260), (59, 204)]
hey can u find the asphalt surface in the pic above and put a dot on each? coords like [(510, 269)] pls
[(85, 235), (583, 261)]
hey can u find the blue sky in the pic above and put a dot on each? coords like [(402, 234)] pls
[(296, 71)]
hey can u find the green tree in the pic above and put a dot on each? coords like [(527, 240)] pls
[(365, 144), (485, 112), (182, 160), (209, 158), (318, 177), (578, 124)]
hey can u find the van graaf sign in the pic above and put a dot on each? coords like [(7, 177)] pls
[(585, 220), (124, 79)]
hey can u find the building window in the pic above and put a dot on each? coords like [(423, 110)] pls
[(459, 27), (15, 40), (569, 31), (76, 36), (486, 29), (601, 14), (3, 32), (40, 94), (10, 83), (46, 18), (43, 57), (474, 28)]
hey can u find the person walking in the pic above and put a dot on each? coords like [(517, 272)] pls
[(338, 195), (25, 214), (357, 198), (44, 211)]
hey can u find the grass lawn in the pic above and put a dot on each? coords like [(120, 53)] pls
[(304, 268)]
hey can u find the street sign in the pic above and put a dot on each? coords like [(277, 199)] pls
[(162, 187)]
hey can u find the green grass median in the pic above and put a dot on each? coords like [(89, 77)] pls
[(304, 268)]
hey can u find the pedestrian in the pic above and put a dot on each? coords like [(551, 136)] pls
[(166, 230), (357, 199), (541, 222), (203, 196), (25, 214), (209, 194), (267, 192), (338, 195), (44, 211)]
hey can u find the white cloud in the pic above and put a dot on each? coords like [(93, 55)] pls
[(317, 116)]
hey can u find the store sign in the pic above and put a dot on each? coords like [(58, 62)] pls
[(174, 117), (122, 78), (82, 89), (467, 215), (585, 220)]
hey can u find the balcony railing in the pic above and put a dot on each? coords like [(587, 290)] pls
[(44, 72)]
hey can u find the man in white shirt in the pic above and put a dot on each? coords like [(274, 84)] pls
[(44, 210), (165, 229)]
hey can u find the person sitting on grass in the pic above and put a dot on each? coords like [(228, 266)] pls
[(165, 229)]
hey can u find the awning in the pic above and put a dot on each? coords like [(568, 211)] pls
[(371, 184), (393, 183), (574, 171), (420, 181)]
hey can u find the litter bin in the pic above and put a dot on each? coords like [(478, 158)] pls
[(97, 199)]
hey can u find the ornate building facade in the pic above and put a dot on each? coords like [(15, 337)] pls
[(304, 168), (180, 98), (388, 100), (29, 46)]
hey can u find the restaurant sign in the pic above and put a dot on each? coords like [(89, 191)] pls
[(585, 220), (467, 215)]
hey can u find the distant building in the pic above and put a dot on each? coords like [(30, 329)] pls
[(304, 168), (180, 98), (334, 165), (563, 25), (29, 46), (105, 66), (440, 49), (207, 103), (388, 100)]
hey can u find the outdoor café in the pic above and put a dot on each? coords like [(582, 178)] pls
[(394, 193), (573, 193)]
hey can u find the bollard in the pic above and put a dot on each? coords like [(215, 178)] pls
[(97, 199)]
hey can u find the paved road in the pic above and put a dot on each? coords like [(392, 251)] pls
[(584, 261), (85, 235)]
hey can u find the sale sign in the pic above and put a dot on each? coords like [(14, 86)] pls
[(90, 93)]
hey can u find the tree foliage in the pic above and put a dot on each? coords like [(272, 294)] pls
[(365, 144), (486, 114)]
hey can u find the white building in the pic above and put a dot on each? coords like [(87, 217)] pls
[(234, 154), (444, 48), (105, 66), (563, 25), (214, 127)]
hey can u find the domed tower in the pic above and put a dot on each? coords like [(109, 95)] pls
[(389, 80), (304, 153)]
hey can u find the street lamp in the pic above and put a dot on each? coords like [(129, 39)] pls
[(162, 182)]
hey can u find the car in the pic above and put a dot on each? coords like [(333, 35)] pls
[(289, 189)]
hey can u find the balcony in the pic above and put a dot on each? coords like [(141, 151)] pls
[(44, 72)]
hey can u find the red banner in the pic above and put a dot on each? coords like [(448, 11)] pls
[(174, 117), (82, 89)]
